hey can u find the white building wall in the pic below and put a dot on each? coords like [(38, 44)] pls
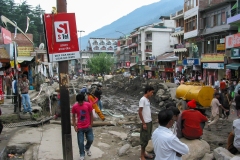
[(143, 45), (170, 23), (161, 43)]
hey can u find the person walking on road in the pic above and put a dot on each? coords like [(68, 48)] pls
[(23, 89), (146, 118), (215, 105), (237, 100), (98, 94), (83, 110), (8, 82)]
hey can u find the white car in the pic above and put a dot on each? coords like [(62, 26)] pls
[(126, 74)]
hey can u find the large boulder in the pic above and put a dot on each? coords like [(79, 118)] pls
[(222, 153), (172, 92), (123, 150), (149, 147), (163, 86), (197, 149), (171, 85)]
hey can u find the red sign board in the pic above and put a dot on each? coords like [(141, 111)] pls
[(232, 41), (61, 36), (6, 35), (127, 64), (169, 70)]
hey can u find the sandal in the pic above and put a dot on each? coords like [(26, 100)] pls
[(149, 156)]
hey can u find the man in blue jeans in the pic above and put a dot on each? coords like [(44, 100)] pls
[(83, 110), (23, 89)]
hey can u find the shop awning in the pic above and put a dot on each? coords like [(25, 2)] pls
[(177, 34), (20, 59), (132, 64), (233, 66), (167, 57), (180, 50)]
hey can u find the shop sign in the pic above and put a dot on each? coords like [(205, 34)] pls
[(235, 53), (24, 51), (179, 62), (6, 36), (147, 68), (128, 64), (233, 41), (213, 65), (220, 47), (222, 40), (61, 36), (212, 58), (191, 61), (169, 70), (187, 44)]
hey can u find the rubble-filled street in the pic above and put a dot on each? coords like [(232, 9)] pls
[(115, 138)]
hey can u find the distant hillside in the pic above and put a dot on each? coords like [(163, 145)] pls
[(144, 15)]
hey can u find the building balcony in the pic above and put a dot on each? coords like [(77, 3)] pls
[(148, 39), (178, 32), (139, 52), (148, 50), (234, 16), (213, 4), (133, 45), (177, 15)]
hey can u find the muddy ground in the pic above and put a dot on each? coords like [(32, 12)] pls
[(125, 100)]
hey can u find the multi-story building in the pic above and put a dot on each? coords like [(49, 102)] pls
[(180, 49), (213, 29), (96, 46), (137, 53), (233, 44)]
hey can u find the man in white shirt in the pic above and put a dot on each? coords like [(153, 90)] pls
[(233, 144), (146, 118), (15, 94), (166, 145), (217, 83)]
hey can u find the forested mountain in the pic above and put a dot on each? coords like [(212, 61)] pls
[(144, 15), (19, 13)]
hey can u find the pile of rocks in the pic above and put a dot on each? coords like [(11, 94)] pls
[(165, 93)]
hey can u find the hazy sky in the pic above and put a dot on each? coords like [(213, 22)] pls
[(94, 14)]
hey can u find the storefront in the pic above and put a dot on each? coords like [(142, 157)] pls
[(192, 67), (213, 68), (233, 66)]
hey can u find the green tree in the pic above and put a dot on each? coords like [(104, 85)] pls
[(101, 63)]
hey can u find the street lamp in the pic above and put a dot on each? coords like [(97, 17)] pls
[(122, 34), (81, 49)]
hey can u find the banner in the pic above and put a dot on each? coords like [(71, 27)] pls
[(61, 36), (6, 35)]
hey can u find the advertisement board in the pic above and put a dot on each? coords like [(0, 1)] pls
[(6, 36), (191, 61), (213, 58), (61, 36), (213, 65), (24, 51), (233, 41)]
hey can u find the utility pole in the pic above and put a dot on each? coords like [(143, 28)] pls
[(64, 100)]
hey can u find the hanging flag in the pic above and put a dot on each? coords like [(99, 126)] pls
[(28, 20)]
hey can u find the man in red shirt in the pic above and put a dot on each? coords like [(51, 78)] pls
[(83, 110), (222, 85), (191, 121)]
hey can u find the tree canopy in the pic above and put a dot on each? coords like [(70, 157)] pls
[(101, 63), (19, 13)]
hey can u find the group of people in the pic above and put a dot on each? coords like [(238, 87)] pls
[(175, 124), (87, 101)]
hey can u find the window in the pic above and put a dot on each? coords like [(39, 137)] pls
[(215, 19), (189, 4), (191, 24), (223, 17)]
